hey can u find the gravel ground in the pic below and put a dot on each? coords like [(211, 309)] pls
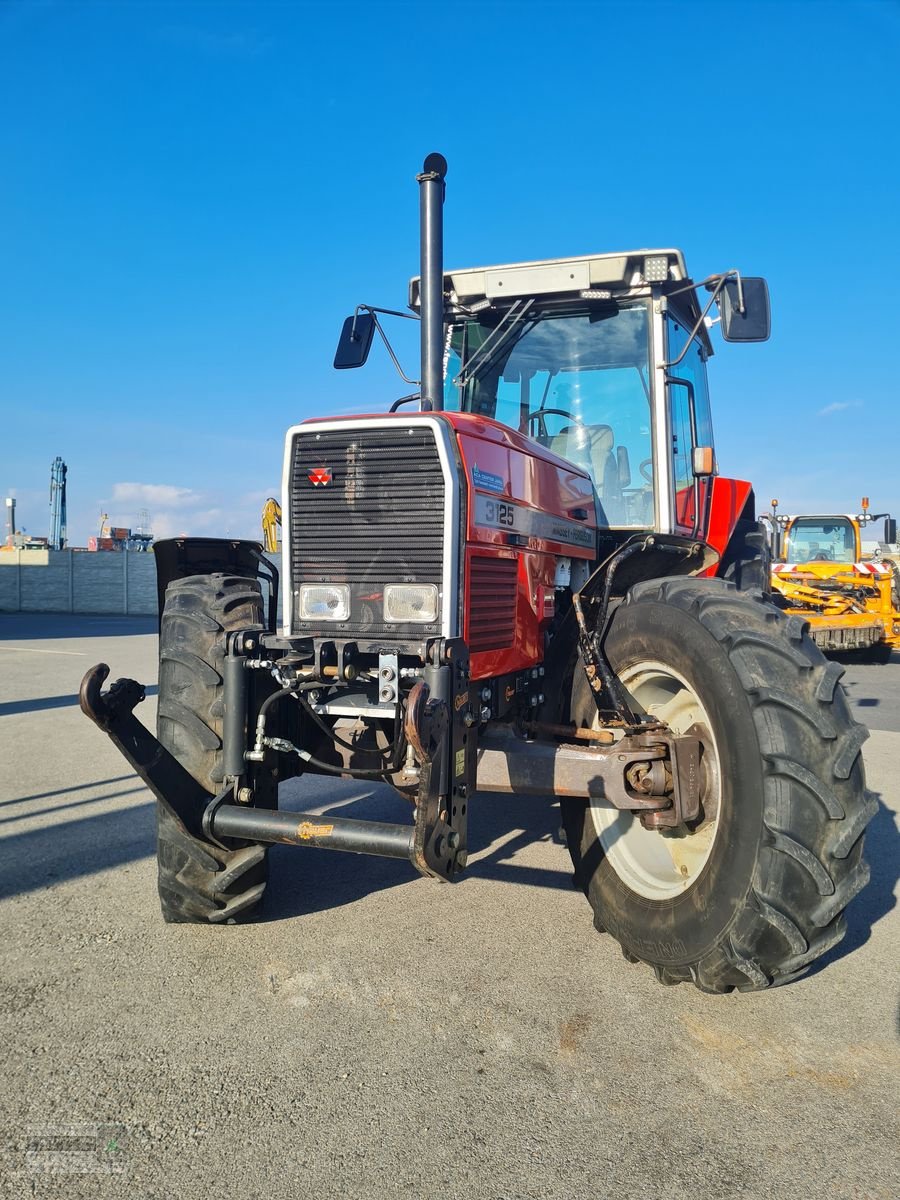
[(383, 1035)]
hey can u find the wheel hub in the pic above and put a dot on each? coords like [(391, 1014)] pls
[(662, 863)]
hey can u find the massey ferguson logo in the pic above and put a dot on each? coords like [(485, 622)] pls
[(320, 476)]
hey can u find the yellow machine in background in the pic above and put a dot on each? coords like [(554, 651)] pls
[(271, 523), (819, 572)]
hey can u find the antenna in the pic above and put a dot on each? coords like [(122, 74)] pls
[(58, 472)]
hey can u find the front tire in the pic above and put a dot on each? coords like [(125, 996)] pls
[(754, 892), (199, 881)]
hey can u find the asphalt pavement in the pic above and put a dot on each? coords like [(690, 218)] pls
[(382, 1035)]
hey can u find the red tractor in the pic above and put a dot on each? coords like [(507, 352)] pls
[(536, 583)]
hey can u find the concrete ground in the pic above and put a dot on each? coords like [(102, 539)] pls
[(380, 1035)]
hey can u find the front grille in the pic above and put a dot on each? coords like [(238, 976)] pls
[(492, 602), (378, 518)]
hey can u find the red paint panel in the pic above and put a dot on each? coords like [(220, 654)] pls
[(530, 476), (535, 578)]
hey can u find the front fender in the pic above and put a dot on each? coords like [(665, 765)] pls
[(177, 558)]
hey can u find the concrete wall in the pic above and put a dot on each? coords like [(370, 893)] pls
[(78, 582)]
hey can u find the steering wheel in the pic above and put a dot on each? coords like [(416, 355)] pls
[(646, 469), (539, 414)]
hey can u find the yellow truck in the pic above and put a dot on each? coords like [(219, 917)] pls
[(819, 572)]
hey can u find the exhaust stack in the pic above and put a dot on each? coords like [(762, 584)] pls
[(431, 273)]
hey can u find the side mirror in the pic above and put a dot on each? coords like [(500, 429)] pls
[(703, 461), (624, 466), (890, 530), (754, 324), (356, 341)]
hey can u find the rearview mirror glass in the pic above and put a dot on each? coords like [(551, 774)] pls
[(890, 530), (356, 341), (754, 323)]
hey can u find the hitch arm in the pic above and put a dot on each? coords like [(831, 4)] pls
[(113, 712)]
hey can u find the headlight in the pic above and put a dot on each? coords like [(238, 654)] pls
[(324, 602), (410, 602)]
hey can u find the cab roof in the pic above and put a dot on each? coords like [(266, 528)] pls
[(622, 271)]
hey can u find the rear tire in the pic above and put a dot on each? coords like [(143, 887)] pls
[(764, 896), (199, 881)]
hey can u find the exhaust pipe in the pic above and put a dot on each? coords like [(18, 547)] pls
[(431, 279)]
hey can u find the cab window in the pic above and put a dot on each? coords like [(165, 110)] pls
[(576, 382)]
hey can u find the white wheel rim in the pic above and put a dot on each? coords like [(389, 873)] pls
[(654, 863)]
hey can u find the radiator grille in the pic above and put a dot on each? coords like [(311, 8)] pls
[(379, 519), (492, 602)]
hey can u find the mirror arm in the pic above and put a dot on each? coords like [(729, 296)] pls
[(405, 400), (390, 313), (720, 281), (387, 312)]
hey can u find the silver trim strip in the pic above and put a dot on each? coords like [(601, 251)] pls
[(442, 436), (662, 430), (509, 516)]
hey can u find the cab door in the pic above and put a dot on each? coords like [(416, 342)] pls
[(689, 421)]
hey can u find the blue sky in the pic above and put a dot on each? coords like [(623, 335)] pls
[(194, 195)]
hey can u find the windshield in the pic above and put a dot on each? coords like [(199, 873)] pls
[(822, 539), (576, 382)]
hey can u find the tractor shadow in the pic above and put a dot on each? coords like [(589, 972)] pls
[(43, 703), (877, 899), (28, 627), (307, 881)]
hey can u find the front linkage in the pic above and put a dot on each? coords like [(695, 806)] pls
[(650, 771), (436, 725)]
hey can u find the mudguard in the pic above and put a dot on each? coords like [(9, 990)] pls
[(177, 558)]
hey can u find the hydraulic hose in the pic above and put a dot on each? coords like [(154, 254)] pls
[(314, 716), (258, 751)]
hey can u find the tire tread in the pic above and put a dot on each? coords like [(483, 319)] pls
[(200, 882), (816, 806)]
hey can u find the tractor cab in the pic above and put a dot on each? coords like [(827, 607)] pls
[(602, 360)]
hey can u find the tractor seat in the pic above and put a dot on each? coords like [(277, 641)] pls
[(590, 447)]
